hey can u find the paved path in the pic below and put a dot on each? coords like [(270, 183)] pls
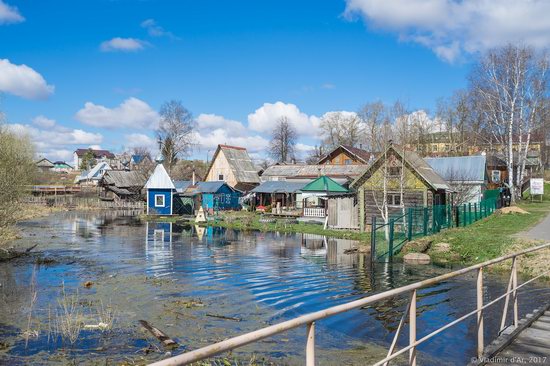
[(540, 232)]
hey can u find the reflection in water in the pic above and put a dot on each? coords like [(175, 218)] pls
[(271, 277)]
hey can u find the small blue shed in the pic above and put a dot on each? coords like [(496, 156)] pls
[(212, 196), (160, 192)]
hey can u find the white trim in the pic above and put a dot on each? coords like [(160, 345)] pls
[(147, 202), (163, 200), (171, 202)]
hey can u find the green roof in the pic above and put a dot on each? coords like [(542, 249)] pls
[(323, 184)]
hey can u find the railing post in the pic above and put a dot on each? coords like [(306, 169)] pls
[(480, 345), (514, 286), (373, 239), (390, 248), (410, 224), (412, 329), (425, 223), (310, 345)]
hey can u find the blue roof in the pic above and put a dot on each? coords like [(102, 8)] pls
[(460, 168), (137, 158), (276, 186), (202, 187)]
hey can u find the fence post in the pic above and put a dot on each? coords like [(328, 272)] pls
[(410, 224), (480, 345), (425, 221), (457, 216), (310, 345), (390, 249), (514, 293), (469, 213), (373, 239), (475, 211), (464, 219), (412, 329)]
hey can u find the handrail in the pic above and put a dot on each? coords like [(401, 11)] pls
[(310, 319)]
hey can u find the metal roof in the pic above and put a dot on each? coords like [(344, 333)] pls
[(460, 168), (314, 171), (159, 179), (200, 187), (275, 186), (323, 184)]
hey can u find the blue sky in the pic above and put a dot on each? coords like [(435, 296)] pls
[(101, 68)]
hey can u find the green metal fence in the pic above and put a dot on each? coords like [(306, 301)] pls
[(387, 239)]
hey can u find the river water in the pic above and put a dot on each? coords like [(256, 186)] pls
[(204, 285)]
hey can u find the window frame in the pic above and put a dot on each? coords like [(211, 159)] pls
[(163, 200), (220, 177)]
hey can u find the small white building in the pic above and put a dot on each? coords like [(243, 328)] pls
[(92, 176)]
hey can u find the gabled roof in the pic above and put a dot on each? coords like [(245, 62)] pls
[(124, 179), (44, 163), (94, 173), (359, 154), (460, 168), (97, 153), (62, 164), (314, 171), (323, 184), (185, 186), (159, 179), (412, 161), (277, 186), (239, 162)]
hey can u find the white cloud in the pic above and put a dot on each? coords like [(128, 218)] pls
[(156, 30), (214, 129), (9, 14), (451, 27), (43, 122), (304, 148), (141, 140), (52, 141), (23, 81), (265, 118), (132, 113), (123, 45)]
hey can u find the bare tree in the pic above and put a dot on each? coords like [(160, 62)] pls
[(511, 85), (142, 151), (175, 132), (315, 155), (283, 141), (341, 128)]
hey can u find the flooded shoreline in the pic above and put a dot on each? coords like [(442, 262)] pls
[(202, 285)]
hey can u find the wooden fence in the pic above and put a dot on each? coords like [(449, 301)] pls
[(83, 202)]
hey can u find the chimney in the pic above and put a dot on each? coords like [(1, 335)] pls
[(193, 182), (361, 146)]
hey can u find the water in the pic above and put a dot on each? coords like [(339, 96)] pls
[(185, 279)]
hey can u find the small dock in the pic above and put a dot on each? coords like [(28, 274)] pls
[(528, 344)]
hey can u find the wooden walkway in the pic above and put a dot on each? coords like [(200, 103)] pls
[(529, 345)]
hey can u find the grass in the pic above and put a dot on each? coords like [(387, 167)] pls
[(251, 221), (491, 237)]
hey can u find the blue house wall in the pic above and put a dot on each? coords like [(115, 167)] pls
[(166, 209), (224, 199)]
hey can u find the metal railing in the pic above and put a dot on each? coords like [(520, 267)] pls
[(309, 320)]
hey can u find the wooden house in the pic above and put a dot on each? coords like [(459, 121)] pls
[(44, 165), (232, 164), (405, 176), (305, 173), (99, 156), (278, 193), (212, 196), (122, 185), (160, 192), (466, 175), (315, 194), (346, 155), (91, 177)]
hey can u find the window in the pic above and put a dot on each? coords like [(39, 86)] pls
[(394, 171), (159, 200), (394, 199), (495, 176), (347, 162), (220, 176)]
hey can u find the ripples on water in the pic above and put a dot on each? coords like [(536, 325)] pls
[(287, 274)]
